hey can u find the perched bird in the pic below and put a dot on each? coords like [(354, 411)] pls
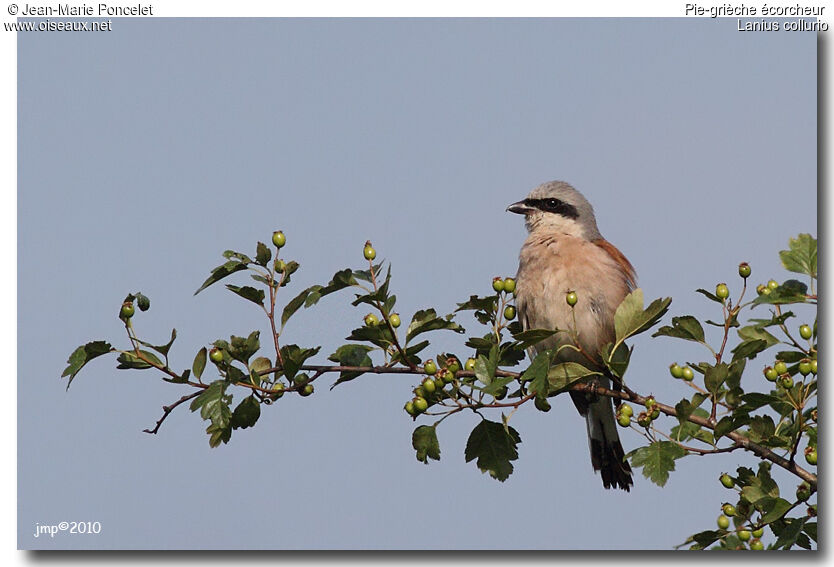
[(565, 252)]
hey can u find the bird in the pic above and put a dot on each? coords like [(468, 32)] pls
[(564, 252)]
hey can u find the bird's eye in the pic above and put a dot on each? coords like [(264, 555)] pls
[(552, 203)]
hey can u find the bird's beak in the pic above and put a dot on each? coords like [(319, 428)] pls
[(520, 208)]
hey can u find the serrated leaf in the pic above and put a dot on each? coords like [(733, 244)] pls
[(494, 448), (130, 361), (82, 355), (427, 320), (685, 327), (790, 291), (536, 374), (715, 375), (801, 257), (350, 355), (424, 440), (294, 357), (213, 404), (199, 363), (532, 336), (631, 319), (242, 349), (772, 508), (263, 254), (476, 303), (703, 539), (246, 413), (162, 349), (749, 349), (221, 272), (562, 375), (657, 460), (248, 292), (484, 371)]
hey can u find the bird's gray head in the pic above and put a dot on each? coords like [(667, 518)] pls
[(556, 206)]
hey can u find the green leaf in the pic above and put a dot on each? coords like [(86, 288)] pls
[(536, 374), (294, 357), (715, 376), (475, 303), (631, 319), (616, 361), (213, 404), (199, 363), (260, 365), (484, 370), (532, 336), (709, 295), (752, 332), (749, 349), (246, 413), (773, 509), (162, 349), (142, 302), (296, 303), (128, 360), (221, 272), (703, 539), (787, 532), (351, 355), (562, 375), (686, 327), (802, 255), (427, 320), (263, 255), (82, 355), (243, 348), (494, 448), (657, 460), (424, 441), (248, 292)]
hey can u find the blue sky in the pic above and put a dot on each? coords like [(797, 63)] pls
[(145, 152)]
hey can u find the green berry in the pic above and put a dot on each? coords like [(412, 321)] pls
[(814, 366), (571, 298), (306, 390), (655, 413), (811, 456), (430, 367), (644, 419), (772, 284), (409, 408), (127, 310), (729, 510), (688, 374), (498, 284), (371, 320), (509, 285), (676, 370), (743, 535), (723, 522), (722, 291), (369, 251), (744, 270), (509, 312), (780, 367), (786, 381), (758, 533), (420, 404), (625, 409), (394, 318), (727, 480), (649, 403), (805, 332), (770, 374), (803, 492), (216, 355), (278, 390), (429, 386), (453, 365), (762, 289), (756, 544), (278, 238), (541, 404), (279, 266), (805, 366), (470, 364), (624, 420), (419, 392)]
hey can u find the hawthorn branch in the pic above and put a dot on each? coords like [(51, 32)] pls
[(168, 409)]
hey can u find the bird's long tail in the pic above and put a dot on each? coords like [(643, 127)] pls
[(607, 455)]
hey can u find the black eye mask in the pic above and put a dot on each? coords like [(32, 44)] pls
[(553, 206)]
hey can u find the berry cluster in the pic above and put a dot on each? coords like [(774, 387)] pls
[(433, 387)]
